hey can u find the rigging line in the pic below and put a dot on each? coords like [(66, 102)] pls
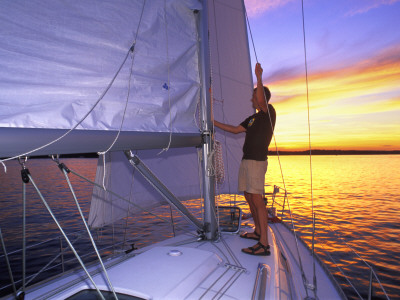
[(214, 283), (125, 108), (309, 135), (88, 232), (232, 254), (283, 179), (341, 271), (128, 213), (80, 122), (168, 86), (131, 203), (222, 253), (251, 34), (23, 236), (127, 96), (8, 264), (221, 90), (220, 292), (231, 281), (297, 246), (65, 236), (269, 115), (355, 252), (62, 252)]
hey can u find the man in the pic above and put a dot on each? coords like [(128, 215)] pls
[(259, 130)]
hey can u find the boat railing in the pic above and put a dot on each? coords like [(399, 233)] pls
[(62, 258), (279, 206), (260, 282)]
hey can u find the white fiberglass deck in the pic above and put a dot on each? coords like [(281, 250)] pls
[(183, 268)]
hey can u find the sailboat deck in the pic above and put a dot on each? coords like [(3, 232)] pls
[(184, 268)]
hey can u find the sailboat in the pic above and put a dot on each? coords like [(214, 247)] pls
[(138, 82)]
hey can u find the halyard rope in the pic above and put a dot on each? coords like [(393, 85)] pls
[(80, 122), (168, 85), (127, 96), (280, 166), (309, 144)]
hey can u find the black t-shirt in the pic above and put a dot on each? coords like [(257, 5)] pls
[(258, 134)]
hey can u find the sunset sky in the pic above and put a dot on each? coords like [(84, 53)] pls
[(353, 60)]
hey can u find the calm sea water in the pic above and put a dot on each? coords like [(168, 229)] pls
[(356, 201)]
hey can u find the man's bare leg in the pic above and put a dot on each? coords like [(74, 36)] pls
[(262, 217), (260, 213), (254, 214)]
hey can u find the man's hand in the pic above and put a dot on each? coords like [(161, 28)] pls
[(258, 71)]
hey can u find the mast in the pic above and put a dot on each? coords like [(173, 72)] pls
[(210, 221)]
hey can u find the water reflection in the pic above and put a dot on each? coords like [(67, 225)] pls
[(355, 202)]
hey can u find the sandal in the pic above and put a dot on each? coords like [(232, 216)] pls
[(253, 250), (247, 236)]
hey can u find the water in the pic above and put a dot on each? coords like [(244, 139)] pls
[(356, 201)]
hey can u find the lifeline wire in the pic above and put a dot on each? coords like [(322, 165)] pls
[(128, 201), (65, 236), (8, 263), (63, 251), (88, 231)]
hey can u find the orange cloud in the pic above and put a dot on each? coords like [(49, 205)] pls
[(356, 107)]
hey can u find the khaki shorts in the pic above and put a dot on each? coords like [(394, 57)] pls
[(252, 176)]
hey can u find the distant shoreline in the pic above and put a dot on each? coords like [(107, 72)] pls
[(335, 152), (270, 153)]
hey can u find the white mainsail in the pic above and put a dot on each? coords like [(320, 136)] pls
[(177, 168), (57, 59), (97, 70)]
